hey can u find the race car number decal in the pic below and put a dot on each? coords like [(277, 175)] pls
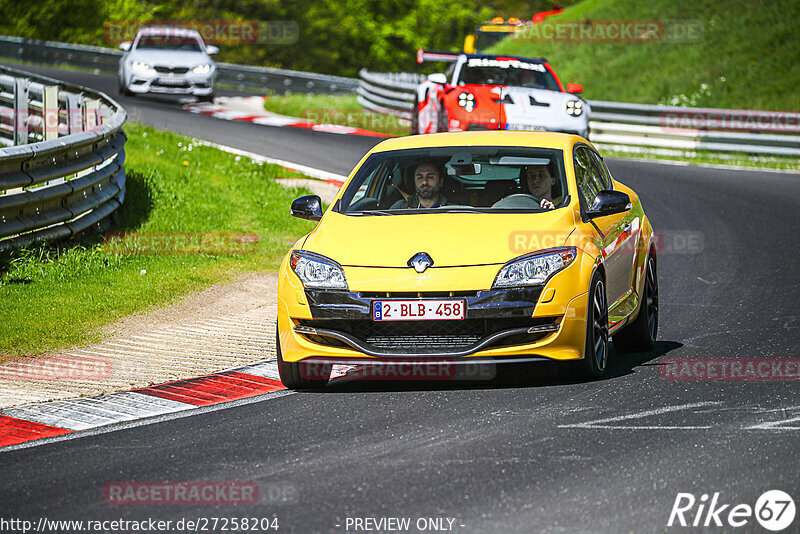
[(506, 64), (418, 310)]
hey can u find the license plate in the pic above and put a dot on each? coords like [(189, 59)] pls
[(418, 310), (170, 81), (526, 127)]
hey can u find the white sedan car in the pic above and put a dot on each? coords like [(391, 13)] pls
[(168, 61)]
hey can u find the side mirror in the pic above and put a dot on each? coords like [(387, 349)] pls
[(211, 50), (609, 202), (574, 88), (438, 77), (125, 45), (307, 207)]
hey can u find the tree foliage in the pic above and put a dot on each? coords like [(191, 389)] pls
[(334, 37)]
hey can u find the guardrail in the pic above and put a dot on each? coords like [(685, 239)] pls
[(241, 77), (631, 127), (61, 169)]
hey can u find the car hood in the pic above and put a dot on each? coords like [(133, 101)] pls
[(522, 104), (453, 239), (170, 58)]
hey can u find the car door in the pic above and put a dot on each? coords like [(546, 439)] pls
[(627, 235), (591, 179)]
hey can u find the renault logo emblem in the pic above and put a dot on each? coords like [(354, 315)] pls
[(420, 261)]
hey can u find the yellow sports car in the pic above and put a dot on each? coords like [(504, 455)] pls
[(469, 248)]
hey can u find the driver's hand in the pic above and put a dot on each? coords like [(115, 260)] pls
[(546, 204)]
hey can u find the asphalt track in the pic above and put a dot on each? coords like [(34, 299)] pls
[(536, 453)]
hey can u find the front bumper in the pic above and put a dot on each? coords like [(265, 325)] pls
[(500, 325), (185, 84)]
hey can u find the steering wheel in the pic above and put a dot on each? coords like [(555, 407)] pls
[(522, 200)]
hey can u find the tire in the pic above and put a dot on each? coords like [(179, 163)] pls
[(640, 335), (294, 375), (207, 98), (441, 119), (595, 354), (415, 116), (122, 90)]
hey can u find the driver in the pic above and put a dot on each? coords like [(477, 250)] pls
[(540, 183), (428, 183)]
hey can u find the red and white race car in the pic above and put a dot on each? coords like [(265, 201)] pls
[(487, 92)]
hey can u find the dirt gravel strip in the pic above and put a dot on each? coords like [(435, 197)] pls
[(223, 326)]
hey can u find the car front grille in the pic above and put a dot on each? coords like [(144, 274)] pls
[(425, 337), (171, 70)]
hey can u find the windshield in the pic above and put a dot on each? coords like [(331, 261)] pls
[(481, 71), (448, 179), (169, 42)]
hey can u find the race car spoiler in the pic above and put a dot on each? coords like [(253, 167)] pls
[(436, 55)]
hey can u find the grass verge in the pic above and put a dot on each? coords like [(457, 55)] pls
[(194, 204), (343, 110)]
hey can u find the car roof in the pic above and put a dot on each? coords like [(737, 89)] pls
[(483, 138), (505, 56)]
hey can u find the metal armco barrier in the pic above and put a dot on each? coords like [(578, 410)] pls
[(632, 127), (61, 170), (242, 77)]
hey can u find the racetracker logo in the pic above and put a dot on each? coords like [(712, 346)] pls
[(365, 121), (739, 120), (774, 510), (57, 368), (217, 32), (666, 242), (181, 493), (52, 120), (428, 370), (180, 243), (731, 369), (612, 31)]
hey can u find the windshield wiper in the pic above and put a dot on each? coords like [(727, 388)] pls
[(461, 209), (375, 212)]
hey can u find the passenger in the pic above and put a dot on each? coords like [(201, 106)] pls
[(428, 183), (540, 184)]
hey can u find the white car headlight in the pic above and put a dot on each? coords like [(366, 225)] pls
[(139, 66), (316, 271), (574, 107), (534, 269), (202, 69), (467, 101)]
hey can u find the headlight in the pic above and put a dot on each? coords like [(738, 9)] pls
[(202, 69), (317, 272), (466, 101), (141, 67), (534, 269), (574, 107)]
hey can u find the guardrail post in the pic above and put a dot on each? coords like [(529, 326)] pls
[(21, 111), (74, 113), (50, 112), (91, 114)]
